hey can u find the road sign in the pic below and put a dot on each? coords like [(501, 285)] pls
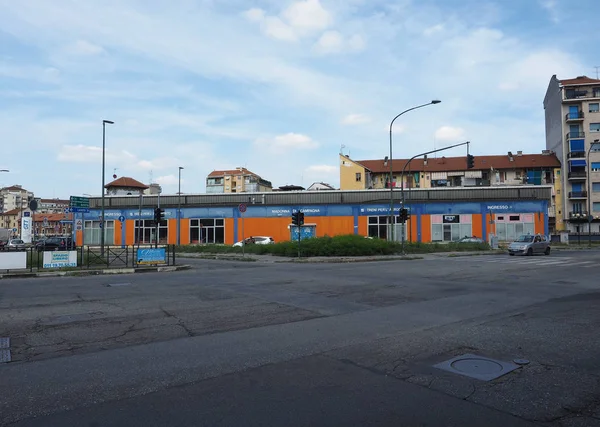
[(79, 224), (79, 210), (101, 225), (15, 230), (122, 218), (242, 207), (80, 202), (33, 205), (67, 210)]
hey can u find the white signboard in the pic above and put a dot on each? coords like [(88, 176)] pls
[(59, 259), (13, 260), (26, 229)]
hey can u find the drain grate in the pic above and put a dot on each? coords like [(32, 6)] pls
[(478, 367)]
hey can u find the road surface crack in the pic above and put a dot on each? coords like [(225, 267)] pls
[(180, 322)]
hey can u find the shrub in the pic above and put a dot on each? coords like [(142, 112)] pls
[(344, 245)]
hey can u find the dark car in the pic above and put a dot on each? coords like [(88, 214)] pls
[(56, 244)]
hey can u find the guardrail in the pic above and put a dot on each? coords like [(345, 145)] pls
[(87, 257)]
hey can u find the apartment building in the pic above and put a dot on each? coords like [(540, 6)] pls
[(10, 219), (572, 115), (239, 180), (14, 197), (511, 169), (52, 206)]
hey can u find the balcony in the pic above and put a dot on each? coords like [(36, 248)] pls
[(574, 135), (577, 194), (576, 94), (576, 155), (578, 216), (574, 116), (577, 175)]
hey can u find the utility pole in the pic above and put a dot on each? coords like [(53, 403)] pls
[(597, 67)]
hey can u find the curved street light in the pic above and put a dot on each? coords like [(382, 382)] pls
[(435, 101)]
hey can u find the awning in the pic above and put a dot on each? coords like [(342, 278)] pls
[(473, 174), (439, 175), (456, 173), (577, 163)]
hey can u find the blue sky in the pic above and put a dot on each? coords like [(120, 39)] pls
[(275, 86)]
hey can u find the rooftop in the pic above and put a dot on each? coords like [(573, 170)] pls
[(447, 164), (238, 171), (126, 182), (579, 80)]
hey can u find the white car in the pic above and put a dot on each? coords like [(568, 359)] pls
[(255, 240)]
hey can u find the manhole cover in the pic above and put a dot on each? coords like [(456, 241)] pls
[(4, 355), (4, 342), (478, 367)]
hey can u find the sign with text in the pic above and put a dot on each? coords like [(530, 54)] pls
[(151, 256), (451, 219), (60, 259), (79, 202), (26, 229)]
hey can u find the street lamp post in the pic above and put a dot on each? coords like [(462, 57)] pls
[(179, 210), (435, 101), (589, 193), (102, 223)]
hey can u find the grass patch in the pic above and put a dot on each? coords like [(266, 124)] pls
[(337, 246)]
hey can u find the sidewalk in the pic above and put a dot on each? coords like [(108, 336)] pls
[(93, 272)]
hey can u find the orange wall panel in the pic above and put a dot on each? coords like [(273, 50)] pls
[(538, 219), (363, 226), (425, 228), (185, 231), (229, 231), (117, 235), (412, 230), (172, 231), (79, 238), (130, 232), (477, 226), (277, 228)]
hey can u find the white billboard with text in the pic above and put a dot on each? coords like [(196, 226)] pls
[(60, 259)]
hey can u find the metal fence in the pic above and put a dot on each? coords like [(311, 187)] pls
[(86, 257)]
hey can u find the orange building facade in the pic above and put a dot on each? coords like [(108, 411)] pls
[(430, 221)]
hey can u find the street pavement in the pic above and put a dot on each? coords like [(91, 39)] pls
[(252, 344)]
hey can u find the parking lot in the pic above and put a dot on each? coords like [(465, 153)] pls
[(254, 332)]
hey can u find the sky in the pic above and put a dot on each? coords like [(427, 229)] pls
[(279, 87)]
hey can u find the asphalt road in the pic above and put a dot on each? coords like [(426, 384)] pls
[(354, 344)]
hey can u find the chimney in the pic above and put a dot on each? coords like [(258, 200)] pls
[(510, 156), (425, 160), (385, 161), (519, 153)]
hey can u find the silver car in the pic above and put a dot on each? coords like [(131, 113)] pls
[(16, 245), (527, 244)]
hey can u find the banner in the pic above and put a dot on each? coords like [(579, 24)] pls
[(152, 256), (60, 259), (13, 260), (26, 229)]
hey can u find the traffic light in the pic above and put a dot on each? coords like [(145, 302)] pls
[(300, 218), (159, 214), (404, 215), (296, 218), (470, 161)]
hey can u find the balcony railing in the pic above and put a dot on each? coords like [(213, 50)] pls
[(572, 135), (577, 194), (574, 116), (576, 155), (578, 215), (577, 175), (576, 94)]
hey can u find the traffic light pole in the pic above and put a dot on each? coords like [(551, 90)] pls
[(157, 221), (402, 178)]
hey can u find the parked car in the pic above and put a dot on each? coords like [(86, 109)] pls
[(55, 244), (15, 245), (528, 244), (471, 239), (255, 240), (2, 244)]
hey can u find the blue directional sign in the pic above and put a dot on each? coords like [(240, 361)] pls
[(121, 218), (79, 210)]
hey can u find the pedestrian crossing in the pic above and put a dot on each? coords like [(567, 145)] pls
[(535, 260)]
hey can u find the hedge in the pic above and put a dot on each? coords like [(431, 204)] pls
[(345, 245)]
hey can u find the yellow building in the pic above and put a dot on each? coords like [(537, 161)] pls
[(497, 170)]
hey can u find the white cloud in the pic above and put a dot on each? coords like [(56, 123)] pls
[(330, 41), (449, 133), (300, 19), (323, 169), (168, 180), (255, 14), (287, 141), (307, 16), (83, 47), (356, 43), (552, 7), (429, 31), (355, 119)]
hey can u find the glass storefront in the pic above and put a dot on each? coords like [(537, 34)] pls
[(450, 228)]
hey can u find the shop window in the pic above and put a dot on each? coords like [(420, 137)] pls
[(145, 232), (91, 233), (450, 228), (378, 226), (207, 231)]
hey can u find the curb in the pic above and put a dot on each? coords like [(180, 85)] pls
[(82, 273)]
